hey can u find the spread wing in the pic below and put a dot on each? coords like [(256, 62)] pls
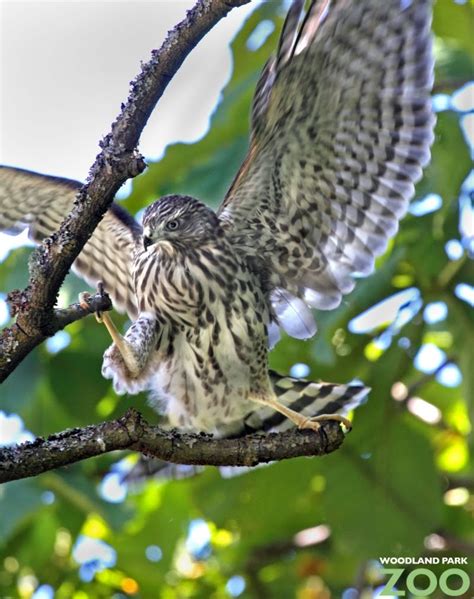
[(341, 128), (40, 203)]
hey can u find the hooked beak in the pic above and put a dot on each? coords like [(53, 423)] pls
[(147, 241)]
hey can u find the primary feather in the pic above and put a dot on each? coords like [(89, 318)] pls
[(341, 128)]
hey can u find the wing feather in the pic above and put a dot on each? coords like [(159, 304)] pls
[(341, 128), (40, 203)]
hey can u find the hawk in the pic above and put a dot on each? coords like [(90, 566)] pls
[(341, 127)]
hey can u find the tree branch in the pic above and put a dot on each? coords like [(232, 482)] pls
[(117, 161), (16, 343), (131, 431)]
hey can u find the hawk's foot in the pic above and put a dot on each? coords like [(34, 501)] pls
[(122, 346), (314, 423), (83, 297), (302, 422)]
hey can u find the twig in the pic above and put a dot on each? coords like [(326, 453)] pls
[(131, 431), (118, 161), (460, 481), (16, 342), (360, 580), (450, 84), (61, 317), (426, 378), (456, 544), (269, 553)]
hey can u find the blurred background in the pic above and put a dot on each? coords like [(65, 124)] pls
[(402, 484)]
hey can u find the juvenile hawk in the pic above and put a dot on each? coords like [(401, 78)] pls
[(341, 128)]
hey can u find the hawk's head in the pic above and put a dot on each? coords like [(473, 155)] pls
[(176, 218)]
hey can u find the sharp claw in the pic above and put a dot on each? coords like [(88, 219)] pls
[(83, 297), (315, 422), (309, 423), (335, 417), (100, 291)]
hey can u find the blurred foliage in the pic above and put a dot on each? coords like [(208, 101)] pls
[(383, 494)]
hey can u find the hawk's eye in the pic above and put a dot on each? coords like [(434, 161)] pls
[(172, 225)]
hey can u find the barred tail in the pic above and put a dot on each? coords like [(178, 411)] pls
[(307, 398)]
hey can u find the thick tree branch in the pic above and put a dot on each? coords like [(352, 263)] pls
[(131, 431), (118, 161)]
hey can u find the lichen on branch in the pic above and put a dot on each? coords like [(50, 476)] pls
[(132, 432)]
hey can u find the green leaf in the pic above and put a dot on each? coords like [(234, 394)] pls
[(454, 23), (389, 500), (18, 502)]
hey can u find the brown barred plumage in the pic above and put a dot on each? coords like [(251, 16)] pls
[(341, 128)]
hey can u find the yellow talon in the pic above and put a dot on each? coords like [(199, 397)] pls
[(83, 297), (314, 422)]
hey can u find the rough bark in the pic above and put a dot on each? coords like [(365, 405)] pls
[(131, 431)]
